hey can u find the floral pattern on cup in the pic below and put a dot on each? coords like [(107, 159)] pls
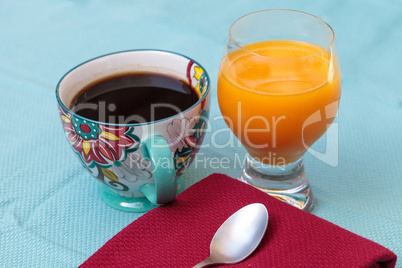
[(98, 144), (107, 176), (185, 155), (199, 76)]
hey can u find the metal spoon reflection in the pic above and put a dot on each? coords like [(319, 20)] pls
[(238, 236)]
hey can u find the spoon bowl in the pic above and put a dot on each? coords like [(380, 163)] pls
[(238, 236)]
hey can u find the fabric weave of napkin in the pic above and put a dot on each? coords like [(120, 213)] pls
[(179, 234)]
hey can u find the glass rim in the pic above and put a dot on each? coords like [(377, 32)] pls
[(287, 10)]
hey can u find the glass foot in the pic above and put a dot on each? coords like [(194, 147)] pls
[(287, 183), (130, 204)]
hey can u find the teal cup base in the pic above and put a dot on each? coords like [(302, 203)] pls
[(130, 204)]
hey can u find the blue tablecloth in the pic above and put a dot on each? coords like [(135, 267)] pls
[(51, 213)]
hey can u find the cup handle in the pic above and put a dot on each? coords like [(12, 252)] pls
[(156, 149)]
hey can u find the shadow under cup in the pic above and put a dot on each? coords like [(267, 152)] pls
[(137, 164)]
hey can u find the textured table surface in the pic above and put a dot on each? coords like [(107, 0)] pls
[(51, 213)]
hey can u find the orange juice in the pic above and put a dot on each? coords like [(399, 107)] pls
[(279, 97)]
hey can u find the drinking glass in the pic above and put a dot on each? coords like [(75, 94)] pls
[(278, 91)]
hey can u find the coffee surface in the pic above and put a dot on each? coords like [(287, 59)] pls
[(134, 98)]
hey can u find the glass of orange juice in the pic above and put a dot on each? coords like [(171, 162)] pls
[(278, 91)]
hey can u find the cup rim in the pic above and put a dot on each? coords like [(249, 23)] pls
[(132, 124), (287, 10)]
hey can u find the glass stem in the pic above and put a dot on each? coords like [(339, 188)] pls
[(287, 183)]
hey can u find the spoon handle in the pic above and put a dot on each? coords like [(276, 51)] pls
[(204, 263)]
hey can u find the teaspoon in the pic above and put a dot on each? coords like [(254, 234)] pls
[(238, 236)]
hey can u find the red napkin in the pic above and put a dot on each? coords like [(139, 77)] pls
[(178, 234)]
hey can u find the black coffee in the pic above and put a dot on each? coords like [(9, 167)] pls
[(134, 98)]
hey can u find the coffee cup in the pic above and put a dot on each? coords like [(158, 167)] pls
[(138, 163)]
